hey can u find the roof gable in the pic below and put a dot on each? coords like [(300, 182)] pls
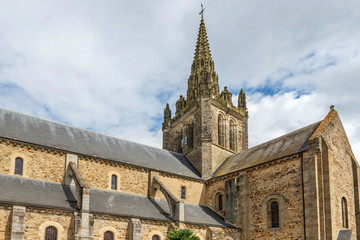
[(285, 145)]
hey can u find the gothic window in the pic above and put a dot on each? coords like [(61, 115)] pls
[(344, 213), (113, 182), (19, 166), (155, 237), (221, 131), (108, 235), (220, 202), (183, 192), (233, 136), (274, 212), (51, 233), (190, 135), (179, 141), (231, 192)]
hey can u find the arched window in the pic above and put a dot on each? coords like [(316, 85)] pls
[(190, 135), (183, 192), (155, 237), (220, 202), (19, 163), (221, 131), (344, 213), (274, 211), (113, 182), (179, 139), (51, 233), (108, 235), (233, 136)]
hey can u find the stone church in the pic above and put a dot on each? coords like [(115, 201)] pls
[(61, 182)]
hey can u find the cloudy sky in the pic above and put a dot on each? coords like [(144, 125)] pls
[(111, 66)]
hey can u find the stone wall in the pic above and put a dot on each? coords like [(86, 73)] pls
[(281, 181), (339, 156), (5, 222), (118, 225), (36, 221), (52, 162), (195, 190), (97, 173)]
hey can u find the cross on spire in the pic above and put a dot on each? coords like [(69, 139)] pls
[(202, 11)]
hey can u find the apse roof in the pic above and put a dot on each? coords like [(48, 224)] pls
[(25, 128), (283, 146)]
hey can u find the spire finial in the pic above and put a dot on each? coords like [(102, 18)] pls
[(202, 11)]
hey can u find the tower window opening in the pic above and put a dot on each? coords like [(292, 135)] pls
[(233, 136), (221, 131)]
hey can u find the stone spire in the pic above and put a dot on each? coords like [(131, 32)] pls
[(242, 99), (203, 80)]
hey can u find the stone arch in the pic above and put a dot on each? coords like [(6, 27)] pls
[(228, 238), (156, 232), (214, 198), (43, 226), (266, 208), (111, 229)]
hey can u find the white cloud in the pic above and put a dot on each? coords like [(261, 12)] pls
[(112, 66)]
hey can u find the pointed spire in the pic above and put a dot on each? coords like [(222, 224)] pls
[(203, 80)]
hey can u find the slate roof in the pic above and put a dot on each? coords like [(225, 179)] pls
[(30, 192), (38, 131), (291, 143)]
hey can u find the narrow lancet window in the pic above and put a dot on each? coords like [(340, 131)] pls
[(220, 202), (233, 136), (274, 211), (221, 131), (344, 213), (179, 141), (113, 182), (51, 233), (183, 192), (190, 135), (19, 163)]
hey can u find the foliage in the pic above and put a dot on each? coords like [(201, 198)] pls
[(182, 234)]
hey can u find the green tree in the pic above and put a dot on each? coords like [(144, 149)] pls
[(182, 234)]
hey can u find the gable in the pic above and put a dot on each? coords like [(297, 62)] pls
[(289, 144)]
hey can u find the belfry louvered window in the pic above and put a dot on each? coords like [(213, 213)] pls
[(232, 136), (51, 233), (108, 235), (19, 164), (274, 211), (221, 131)]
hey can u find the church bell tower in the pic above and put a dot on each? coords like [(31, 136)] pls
[(207, 127)]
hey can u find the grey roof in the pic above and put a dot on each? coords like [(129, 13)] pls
[(38, 131), (30, 192), (286, 145)]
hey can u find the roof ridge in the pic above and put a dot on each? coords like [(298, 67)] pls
[(87, 130)]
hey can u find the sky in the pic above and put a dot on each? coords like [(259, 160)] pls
[(111, 66)]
